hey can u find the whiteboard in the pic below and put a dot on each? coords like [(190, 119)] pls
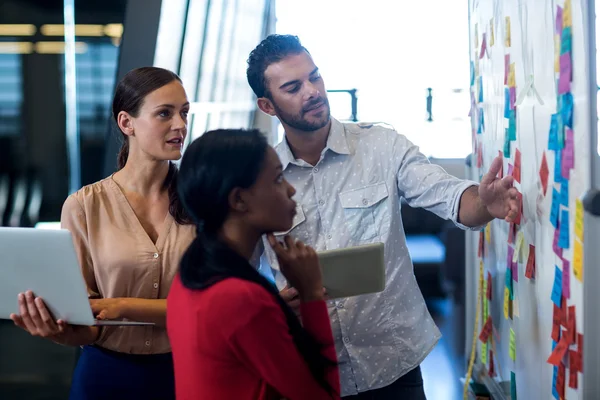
[(532, 50)]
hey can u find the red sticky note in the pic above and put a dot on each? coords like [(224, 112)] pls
[(572, 326), (560, 381), (564, 319), (575, 359), (573, 383), (506, 68), (556, 323), (530, 268), (501, 172), (544, 171), (580, 344), (559, 351), (517, 170), (489, 286), (486, 331), (520, 214), (566, 279)]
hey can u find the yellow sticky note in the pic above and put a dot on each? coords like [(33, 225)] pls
[(506, 302), (492, 39), (515, 307), (512, 350), (518, 247), (488, 233), (485, 301), (484, 353), (512, 80), (557, 53), (506, 33), (567, 14), (578, 260), (579, 219)]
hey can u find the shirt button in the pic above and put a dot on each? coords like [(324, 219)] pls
[(315, 170), (365, 202), (329, 236), (155, 255), (346, 340), (156, 286), (147, 343), (340, 305), (321, 202)]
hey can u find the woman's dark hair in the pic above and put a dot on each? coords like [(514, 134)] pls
[(129, 97), (272, 49), (212, 166)]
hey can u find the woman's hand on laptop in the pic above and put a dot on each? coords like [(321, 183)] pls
[(107, 308), (36, 319)]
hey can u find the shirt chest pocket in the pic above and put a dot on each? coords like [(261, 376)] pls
[(365, 211)]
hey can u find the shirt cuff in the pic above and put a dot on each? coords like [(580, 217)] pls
[(459, 192)]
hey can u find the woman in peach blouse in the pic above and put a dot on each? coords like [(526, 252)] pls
[(129, 231)]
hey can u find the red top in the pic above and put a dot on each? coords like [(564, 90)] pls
[(231, 341)]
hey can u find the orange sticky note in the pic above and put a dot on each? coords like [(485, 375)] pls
[(486, 330), (530, 269), (517, 170), (559, 351)]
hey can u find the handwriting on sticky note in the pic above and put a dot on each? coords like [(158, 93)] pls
[(557, 249), (566, 111), (565, 77), (557, 167), (512, 92), (512, 126), (559, 352), (579, 219), (510, 254), (572, 326), (568, 154), (557, 287), (563, 311), (486, 330), (507, 32), (553, 134), (556, 323), (566, 279), (507, 103), (575, 360), (512, 346), (544, 172), (563, 238), (564, 193), (512, 82), (530, 269), (560, 381), (555, 208), (578, 260), (554, 379), (485, 302), (518, 247)]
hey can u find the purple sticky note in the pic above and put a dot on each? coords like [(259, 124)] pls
[(566, 279), (510, 254), (565, 169), (513, 97), (568, 155), (557, 250), (510, 169), (559, 20), (564, 80), (506, 68), (515, 271)]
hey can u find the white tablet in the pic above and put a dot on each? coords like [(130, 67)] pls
[(353, 271), (44, 261)]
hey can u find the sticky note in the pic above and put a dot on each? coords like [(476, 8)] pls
[(483, 47), (554, 379), (506, 148), (507, 103), (480, 98), (553, 134), (491, 371), (492, 35), (558, 167), (575, 360), (472, 73), (488, 233), (560, 381), (520, 213), (556, 53), (512, 80), (566, 107), (559, 20), (485, 301), (486, 330), (564, 193), (512, 126), (513, 97), (559, 352), (555, 324), (565, 77), (510, 169), (512, 346), (515, 307), (565, 40), (555, 208), (580, 346), (510, 254), (530, 269), (481, 123), (506, 303), (489, 286), (563, 238), (507, 32), (566, 280), (506, 68), (567, 15), (563, 312), (578, 260), (544, 172), (572, 326), (484, 353), (513, 386), (517, 171), (579, 219), (573, 382), (557, 249), (568, 154), (518, 248), (557, 287)]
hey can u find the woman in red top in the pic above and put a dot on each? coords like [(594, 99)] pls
[(232, 335)]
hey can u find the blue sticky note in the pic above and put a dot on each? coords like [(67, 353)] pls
[(513, 386), (558, 167), (506, 103), (472, 73), (566, 110), (554, 379), (565, 40), (512, 126), (553, 134), (481, 89), (563, 236), (481, 126), (554, 345), (557, 288), (506, 144), (564, 193), (509, 282), (555, 209)]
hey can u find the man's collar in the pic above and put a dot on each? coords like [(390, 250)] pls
[(336, 142)]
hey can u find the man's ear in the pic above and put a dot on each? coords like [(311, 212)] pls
[(125, 123), (266, 106), (236, 200)]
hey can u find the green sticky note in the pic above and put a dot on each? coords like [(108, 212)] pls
[(485, 301), (484, 353), (513, 386), (512, 346)]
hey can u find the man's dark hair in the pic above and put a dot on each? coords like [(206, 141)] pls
[(271, 50)]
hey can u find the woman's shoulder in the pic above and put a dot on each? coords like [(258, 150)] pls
[(90, 194)]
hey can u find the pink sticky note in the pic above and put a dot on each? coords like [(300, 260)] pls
[(557, 250), (566, 279), (564, 80), (510, 169), (513, 97), (506, 68), (515, 271), (559, 20), (483, 47), (568, 155)]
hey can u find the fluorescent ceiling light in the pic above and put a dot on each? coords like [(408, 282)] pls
[(17, 30), (58, 47), (16, 47), (80, 30)]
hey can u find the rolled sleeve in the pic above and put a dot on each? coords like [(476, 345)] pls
[(456, 207)]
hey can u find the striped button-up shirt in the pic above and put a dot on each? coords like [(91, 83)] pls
[(353, 196)]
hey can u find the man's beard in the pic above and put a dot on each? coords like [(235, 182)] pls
[(298, 122)]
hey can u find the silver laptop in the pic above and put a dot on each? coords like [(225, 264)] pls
[(45, 262), (353, 271)]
